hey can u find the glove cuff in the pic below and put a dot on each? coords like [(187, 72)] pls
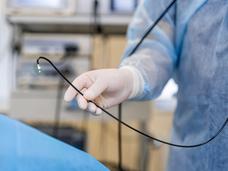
[(138, 81)]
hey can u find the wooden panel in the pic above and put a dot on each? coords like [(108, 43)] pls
[(107, 51), (102, 143), (116, 48), (98, 52), (160, 127)]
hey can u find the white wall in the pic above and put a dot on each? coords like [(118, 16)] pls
[(5, 72)]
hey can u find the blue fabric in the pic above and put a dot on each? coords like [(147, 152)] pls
[(198, 30), (23, 148)]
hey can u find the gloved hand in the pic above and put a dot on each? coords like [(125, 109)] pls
[(106, 87)]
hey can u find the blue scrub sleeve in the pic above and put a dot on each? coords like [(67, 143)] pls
[(23, 148), (156, 57)]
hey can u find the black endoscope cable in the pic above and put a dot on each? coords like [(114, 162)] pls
[(150, 28), (122, 122)]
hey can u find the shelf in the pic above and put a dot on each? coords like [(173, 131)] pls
[(112, 23), (80, 20)]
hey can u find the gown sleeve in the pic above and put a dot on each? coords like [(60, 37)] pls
[(156, 58)]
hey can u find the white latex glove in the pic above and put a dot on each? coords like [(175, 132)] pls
[(106, 87)]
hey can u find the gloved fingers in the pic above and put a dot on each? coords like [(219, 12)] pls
[(92, 108), (109, 102), (82, 102), (100, 102), (96, 89), (83, 81), (98, 111)]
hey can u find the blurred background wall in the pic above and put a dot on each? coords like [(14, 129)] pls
[(5, 52)]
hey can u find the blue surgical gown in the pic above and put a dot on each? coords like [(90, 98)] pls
[(190, 44), (23, 148)]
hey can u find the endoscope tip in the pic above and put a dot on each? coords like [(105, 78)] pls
[(39, 68)]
